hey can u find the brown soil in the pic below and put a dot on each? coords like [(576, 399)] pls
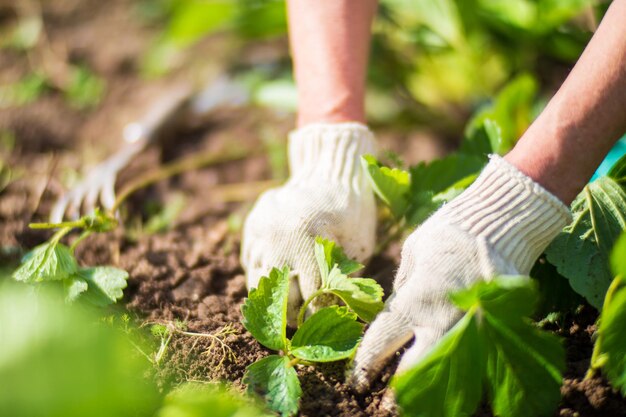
[(191, 272)]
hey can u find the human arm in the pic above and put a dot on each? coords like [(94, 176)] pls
[(503, 222)]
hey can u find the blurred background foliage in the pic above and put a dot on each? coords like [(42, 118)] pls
[(433, 62)]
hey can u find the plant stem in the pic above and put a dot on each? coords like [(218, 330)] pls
[(306, 304), (596, 357), (59, 234), (72, 225), (178, 167), (293, 362), (82, 237), (394, 233)]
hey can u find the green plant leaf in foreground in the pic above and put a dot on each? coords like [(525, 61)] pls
[(62, 361), (609, 350), (448, 382), (581, 251), (431, 182), (363, 295), (265, 310), (200, 400), (329, 254), (105, 284), (390, 184), (492, 348), (73, 288), (329, 335), (274, 378), (50, 261)]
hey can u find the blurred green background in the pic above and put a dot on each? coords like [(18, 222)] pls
[(433, 62)]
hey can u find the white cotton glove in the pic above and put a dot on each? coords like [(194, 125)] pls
[(499, 225), (326, 195)]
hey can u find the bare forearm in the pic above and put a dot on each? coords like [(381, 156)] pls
[(330, 46), (567, 142)]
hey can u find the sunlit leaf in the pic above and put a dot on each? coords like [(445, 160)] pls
[(329, 335), (265, 310), (275, 379)]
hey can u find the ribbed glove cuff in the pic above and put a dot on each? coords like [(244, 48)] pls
[(516, 216), (330, 152)]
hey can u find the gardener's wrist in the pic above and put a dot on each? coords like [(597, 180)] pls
[(515, 215), (330, 152), (563, 179)]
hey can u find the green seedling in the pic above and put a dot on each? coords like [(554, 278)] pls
[(609, 351), (53, 263), (494, 351), (331, 334), (414, 194)]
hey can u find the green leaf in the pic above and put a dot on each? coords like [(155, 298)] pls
[(390, 184), (201, 400), (363, 295), (581, 251), (265, 310), (612, 338), (506, 295), (276, 380), (511, 110), (618, 170), (329, 254), (193, 19), (454, 190), (524, 367), (438, 175), (105, 284), (46, 262), (618, 256), (74, 287), (482, 138), (492, 347), (64, 361), (329, 335), (448, 382), (430, 179)]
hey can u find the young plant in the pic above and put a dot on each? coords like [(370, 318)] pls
[(582, 250), (412, 195), (330, 334), (54, 263), (494, 351), (609, 351)]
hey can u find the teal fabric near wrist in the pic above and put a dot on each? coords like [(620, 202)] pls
[(611, 159)]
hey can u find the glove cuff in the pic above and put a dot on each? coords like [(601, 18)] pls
[(330, 152), (516, 216)]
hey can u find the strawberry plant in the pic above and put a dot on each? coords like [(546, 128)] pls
[(331, 334), (494, 351), (581, 252), (609, 351), (53, 263)]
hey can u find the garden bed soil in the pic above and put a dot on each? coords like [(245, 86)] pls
[(191, 271)]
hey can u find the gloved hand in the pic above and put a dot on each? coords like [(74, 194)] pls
[(326, 195), (499, 225)]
